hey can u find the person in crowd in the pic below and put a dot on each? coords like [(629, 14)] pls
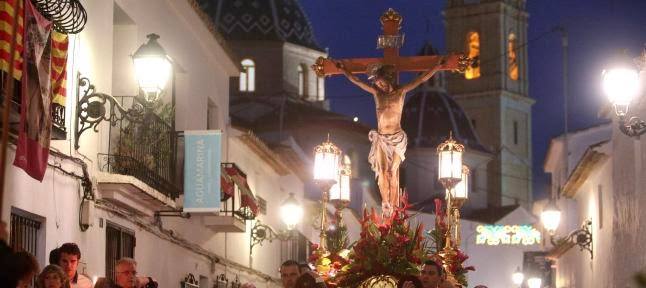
[(289, 273), (67, 257), (310, 279), (304, 267), (18, 270), (54, 256), (53, 276), (431, 276), (410, 281), (126, 277)]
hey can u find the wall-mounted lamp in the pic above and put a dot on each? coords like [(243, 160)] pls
[(582, 237), (153, 68), (621, 83), (291, 213)]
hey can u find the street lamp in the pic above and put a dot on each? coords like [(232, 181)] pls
[(534, 282), (551, 218), (621, 83), (451, 173), (449, 155), (291, 213), (326, 174), (518, 277), (152, 68), (460, 192), (340, 192)]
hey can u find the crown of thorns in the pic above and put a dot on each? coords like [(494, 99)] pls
[(381, 70)]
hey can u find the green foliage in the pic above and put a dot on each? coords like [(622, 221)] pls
[(145, 143)]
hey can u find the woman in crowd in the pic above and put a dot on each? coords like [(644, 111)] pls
[(53, 277)]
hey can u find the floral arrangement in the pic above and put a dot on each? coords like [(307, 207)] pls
[(387, 246)]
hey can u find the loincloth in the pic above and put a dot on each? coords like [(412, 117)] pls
[(389, 144)]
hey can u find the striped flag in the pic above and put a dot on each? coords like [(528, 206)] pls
[(58, 71), (8, 9)]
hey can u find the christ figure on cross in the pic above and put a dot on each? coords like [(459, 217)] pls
[(389, 141)]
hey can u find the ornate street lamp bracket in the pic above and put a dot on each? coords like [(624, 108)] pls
[(633, 127), (91, 110), (581, 237), (263, 232)]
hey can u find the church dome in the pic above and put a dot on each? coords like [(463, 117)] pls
[(260, 20), (430, 114)]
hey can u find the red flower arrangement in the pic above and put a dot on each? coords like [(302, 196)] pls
[(388, 246)]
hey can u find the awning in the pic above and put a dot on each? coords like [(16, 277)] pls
[(239, 179)]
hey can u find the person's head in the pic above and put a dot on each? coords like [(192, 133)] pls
[(126, 269), (383, 77), (53, 276), (21, 269), (307, 280), (410, 278), (69, 255), (289, 273), (304, 267), (54, 256), (431, 274)]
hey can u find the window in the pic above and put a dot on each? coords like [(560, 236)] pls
[(320, 88), (248, 76), (297, 248), (120, 242), (473, 50), (25, 232), (302, 80), (512, 61), (515, 133)]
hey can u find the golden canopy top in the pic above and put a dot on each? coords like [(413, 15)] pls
[(391, 15), (327, 147), (450, 145)]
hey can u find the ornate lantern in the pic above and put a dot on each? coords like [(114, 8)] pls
[(461, 190), (152, 67), (551, 217), (291, 212), (326, 162), (450, 162)]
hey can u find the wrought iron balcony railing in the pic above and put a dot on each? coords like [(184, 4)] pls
[(147, 151)]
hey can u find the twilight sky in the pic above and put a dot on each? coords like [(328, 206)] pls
[(597, 29)]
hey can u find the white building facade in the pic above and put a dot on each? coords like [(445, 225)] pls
[(117, 216)]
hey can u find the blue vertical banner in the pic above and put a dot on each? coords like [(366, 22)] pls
[(202, 157)]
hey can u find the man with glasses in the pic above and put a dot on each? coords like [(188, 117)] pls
[(126, 276)]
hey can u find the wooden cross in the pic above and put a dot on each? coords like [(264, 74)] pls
[(391, 41)]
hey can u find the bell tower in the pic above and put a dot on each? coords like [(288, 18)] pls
[(494, 92)]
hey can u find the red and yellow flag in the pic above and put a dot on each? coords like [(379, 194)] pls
[(8, 9), (59, 64)]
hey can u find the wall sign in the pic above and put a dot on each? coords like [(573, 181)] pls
[(494, 235)]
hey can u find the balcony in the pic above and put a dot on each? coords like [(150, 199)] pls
[(238, 202), (57, 113), (140, 170)]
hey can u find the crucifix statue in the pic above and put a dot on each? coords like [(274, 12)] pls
[(389, 141)]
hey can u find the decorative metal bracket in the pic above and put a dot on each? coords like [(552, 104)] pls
[(261, 232), (582, 237), (91, 110), (172, 213), (633, 127)]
